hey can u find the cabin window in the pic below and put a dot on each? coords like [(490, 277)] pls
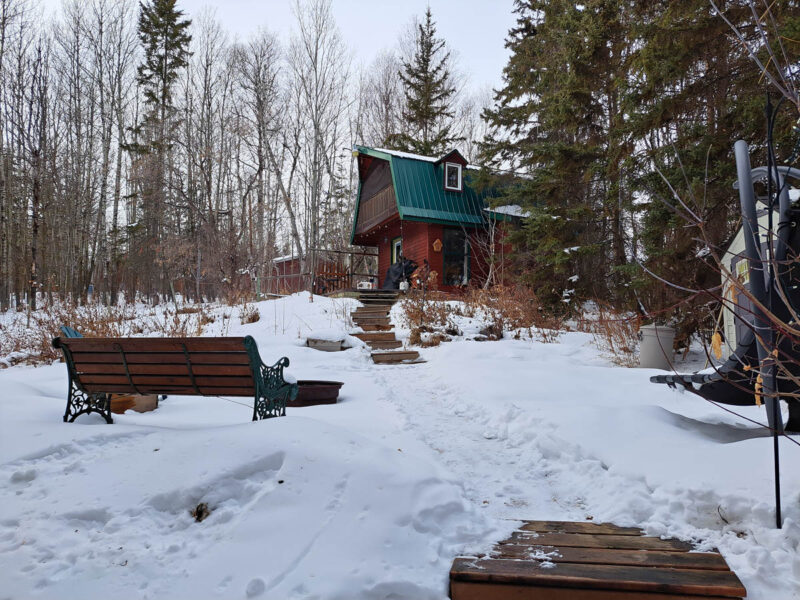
[(397, 249), (452, 177), (455, 250)]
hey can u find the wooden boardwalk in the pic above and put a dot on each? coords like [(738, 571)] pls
[(559, 560)]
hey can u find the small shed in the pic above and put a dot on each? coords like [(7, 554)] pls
[(428, 210)]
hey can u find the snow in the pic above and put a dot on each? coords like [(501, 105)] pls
[(401, 154), (374, 496), (512, 210)]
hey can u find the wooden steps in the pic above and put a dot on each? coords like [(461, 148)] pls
[(372, 310), (557, 560), (363, 314), (373, 318), (394, 357), (375, 336), (385, 344), (361, 321), (372, 327), (378, 297)]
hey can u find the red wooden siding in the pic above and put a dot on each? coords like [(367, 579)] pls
[(418, 239)]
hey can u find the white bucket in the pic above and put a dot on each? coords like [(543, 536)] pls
[(655, 351)]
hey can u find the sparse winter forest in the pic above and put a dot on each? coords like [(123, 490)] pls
[(419, 299), (145, 151)]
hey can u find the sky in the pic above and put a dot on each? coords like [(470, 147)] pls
[(475, 30)]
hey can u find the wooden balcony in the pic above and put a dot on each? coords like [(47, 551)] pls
[(373, 211)]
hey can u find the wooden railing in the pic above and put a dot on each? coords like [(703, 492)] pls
[(376, 209)]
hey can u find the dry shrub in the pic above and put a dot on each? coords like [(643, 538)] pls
[(233, 295), (249, 314), (615, 334), (501, 308), (426, 339), (418, 310), (508, 308), (33, 341)]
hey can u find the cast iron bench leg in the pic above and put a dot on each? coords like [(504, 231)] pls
[(81, 403), (272, 391)]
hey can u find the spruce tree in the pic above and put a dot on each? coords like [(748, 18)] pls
[(601, 102), (557, 120), (165, 38), (692, 92), (427, 117)]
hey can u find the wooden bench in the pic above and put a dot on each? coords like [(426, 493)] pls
[(99, 367)]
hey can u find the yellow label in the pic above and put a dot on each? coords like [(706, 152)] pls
[(743, 272), (716, 345)]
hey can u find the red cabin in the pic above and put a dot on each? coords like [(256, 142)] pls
[(425, 209)]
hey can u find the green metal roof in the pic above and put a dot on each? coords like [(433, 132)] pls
[(419, 190)]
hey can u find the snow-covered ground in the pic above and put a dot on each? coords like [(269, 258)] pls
[(374, 496)]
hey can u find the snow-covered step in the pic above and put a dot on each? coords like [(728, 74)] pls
[(375, 326), (371, 321), (396, 356), (385, 344), (371, 311), (376, 336)]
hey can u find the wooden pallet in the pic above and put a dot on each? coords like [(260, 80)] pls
[(558, 560)]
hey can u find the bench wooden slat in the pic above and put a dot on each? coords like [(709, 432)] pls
[(619, 542), (175, 390), (216, 344), (181, 380), (608, 577), (85, 369), (163, 358), (642, 558)]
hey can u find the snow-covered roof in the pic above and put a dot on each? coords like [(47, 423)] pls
[(512, 210), (401, 154)]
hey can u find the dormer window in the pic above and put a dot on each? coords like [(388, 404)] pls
[(452, 177)]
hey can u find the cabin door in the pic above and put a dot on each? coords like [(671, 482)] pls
[(455, 250)]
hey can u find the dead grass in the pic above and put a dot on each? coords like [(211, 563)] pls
[(615, 334), (249, 314), (503, 309), (32, 342)]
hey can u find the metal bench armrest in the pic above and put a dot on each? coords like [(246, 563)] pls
[(272, 390)]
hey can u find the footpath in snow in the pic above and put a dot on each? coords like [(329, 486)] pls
[(374, 496)]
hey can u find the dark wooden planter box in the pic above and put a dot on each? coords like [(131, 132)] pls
[(311, 392)]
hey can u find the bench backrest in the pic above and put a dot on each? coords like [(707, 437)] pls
[(178, 366)]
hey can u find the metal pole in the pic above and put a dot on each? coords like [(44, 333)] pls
[(763, 331)]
